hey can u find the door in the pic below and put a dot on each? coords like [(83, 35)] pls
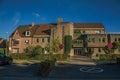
[(77, 51)]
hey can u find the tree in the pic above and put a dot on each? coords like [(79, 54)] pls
[(67, 43), (115, 46), (33, 51), (55, 45), (37, 50)]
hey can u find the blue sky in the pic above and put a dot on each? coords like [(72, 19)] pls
[(23, 12)]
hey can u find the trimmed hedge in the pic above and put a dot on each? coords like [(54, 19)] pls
[(108, 57), (40, 57)]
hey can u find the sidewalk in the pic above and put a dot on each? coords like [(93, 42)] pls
[(82, 60)]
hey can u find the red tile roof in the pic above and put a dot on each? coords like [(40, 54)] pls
[(88, 25), (43, 29)]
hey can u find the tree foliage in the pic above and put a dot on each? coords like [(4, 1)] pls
[(33, 50), (55, 45), (67, 43), (116, 46)]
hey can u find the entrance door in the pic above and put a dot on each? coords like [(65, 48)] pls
[(16, 50), (77, 51)]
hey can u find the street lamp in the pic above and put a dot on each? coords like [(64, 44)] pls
[(6, 42)]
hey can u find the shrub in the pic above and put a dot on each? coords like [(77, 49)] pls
[(19, 56), (46, 66), (108, 57), (2, 50)]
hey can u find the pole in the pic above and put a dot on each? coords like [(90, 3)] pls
[(6, 43)]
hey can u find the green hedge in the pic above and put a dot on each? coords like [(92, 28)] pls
[(107, 56), (40, 57), (2, 50)]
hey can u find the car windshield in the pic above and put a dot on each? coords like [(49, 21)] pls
[(2, 55)]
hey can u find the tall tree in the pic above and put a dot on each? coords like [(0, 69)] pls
[(55, 45)]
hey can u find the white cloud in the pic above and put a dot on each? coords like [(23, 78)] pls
[(36, 14), (15, 22), (16, 19)]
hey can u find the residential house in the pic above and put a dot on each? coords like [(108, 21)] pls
[(87, 37)]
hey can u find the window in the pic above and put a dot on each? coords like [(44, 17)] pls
[(89, 39), (16, 50), (26, 41), (119, 39), (48, 39), (37, 40), (27, 33), (90, 49), (97, 31), (101, 40), (77, 32), (116, 39), (63, 34), (84, 32), (15, 41), (54, 32), (43, 40), (99, 49)]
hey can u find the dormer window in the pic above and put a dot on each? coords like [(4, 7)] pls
[(27, 33)]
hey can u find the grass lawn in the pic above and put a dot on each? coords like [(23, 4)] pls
[(25, 61)]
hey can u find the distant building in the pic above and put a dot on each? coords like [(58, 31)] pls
[(2, 43), (87, 37)]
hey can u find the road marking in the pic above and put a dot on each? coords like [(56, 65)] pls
[(91, 69)]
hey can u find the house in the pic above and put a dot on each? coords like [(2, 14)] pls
[(87, 37), (2, 43)]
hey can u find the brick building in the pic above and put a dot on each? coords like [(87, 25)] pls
[(87, 37)]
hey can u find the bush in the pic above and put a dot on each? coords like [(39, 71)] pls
[(108, 57), (19, 56), (2, 50), (46, 66)]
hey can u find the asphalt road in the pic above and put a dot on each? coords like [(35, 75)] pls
[(83, 68), (27, 71), (21, 71), (72, 72)]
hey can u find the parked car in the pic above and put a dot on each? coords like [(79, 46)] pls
[(5, 59)]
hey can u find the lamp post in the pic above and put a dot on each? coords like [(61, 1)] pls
[(6, 43)]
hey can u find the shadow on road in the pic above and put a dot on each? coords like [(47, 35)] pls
[(19, 70)]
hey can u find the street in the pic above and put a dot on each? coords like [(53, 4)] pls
[(63, 71), (71, 71), (19, 71)]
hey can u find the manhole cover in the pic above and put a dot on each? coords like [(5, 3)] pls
[(91, 69)]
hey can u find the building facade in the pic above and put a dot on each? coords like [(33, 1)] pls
[(86, 37)]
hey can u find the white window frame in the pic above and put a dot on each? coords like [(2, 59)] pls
[(27, 33)]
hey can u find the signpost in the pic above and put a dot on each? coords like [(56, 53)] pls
[(61, 46), (110, 46)]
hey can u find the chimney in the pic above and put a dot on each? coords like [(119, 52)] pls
[(33, 24), (59, 20)]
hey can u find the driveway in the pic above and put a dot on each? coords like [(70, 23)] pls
[(19, 71)]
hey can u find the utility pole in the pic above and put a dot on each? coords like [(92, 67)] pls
[(6, 43)]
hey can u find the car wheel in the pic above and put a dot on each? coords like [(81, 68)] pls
[(10, 62)]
